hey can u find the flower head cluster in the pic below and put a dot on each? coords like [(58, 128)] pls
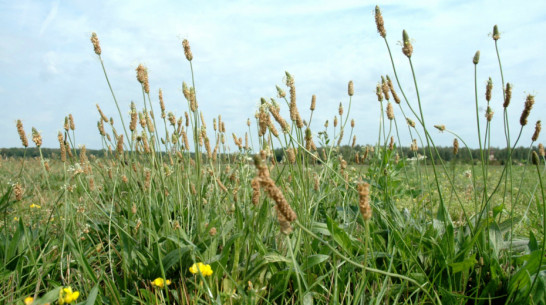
[(67, 296), (205, 270), (160, 282)]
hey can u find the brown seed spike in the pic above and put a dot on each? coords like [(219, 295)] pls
[(364, 201), (385, 88), (142, 77), (36, 137), (529, 101), (541, 150), (407, 47), (187, 50), (71, 121), (538, 127), (96, 43), (455, 146), (351, 89), (379, 22), (488, 89), (22, 134), (379, 93), (390, 111), (507, 95), (313, 102)]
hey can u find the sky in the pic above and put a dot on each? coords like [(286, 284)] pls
[(242, 49)]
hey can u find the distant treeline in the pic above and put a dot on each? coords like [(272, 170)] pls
[(494, 155)]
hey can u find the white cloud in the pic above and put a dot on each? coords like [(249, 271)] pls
[(50, 17), (242, 50)]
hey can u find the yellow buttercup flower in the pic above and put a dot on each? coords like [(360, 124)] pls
[(67, 296), (160, 283), (205, 270), (28, 300), (35, 206)]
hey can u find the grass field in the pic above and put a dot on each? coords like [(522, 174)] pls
[(162, 220)]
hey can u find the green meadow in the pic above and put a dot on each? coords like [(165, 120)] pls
[(189, 213)]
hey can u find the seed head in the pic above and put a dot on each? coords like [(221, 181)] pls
[(488, 89), (390, 111), (535, 159), (281, 93), (187, 50), (410, 122), (142, 77), (391, 87), (455, 146), (313, 102), (96, 43), (119, 147), (496, 34), (414, 146), (407, 47), (352, 123), (22, 134), (476, 58), (351, 89), (18, 191), (541, 150), (379, 92), (71, 121), (385, 88), (63, 148), (161, 104), (538, 127), (507, 95), (489, 114), (379, 22), (340, 109), (529, 101), (440, 127), (364, 201), (36, 137), (274, 109)]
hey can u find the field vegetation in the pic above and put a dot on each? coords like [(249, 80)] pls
[(178, 215)]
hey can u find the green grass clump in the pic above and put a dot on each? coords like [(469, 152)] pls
[(162, 220)]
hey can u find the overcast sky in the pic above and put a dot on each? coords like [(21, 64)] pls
[(242, 49)]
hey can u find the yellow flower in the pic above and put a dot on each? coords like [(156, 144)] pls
[(160, 283), (28, 300), (35, 206), (67, 296), (205, 270), (16, 218)]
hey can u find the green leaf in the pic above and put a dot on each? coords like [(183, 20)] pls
[(533, 244), (321, 228), (49, 297), (275, 257), (92, 296), (340, 236), (465, 265), (313, 260), (522, 278), (173, 257), (497, 209)]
